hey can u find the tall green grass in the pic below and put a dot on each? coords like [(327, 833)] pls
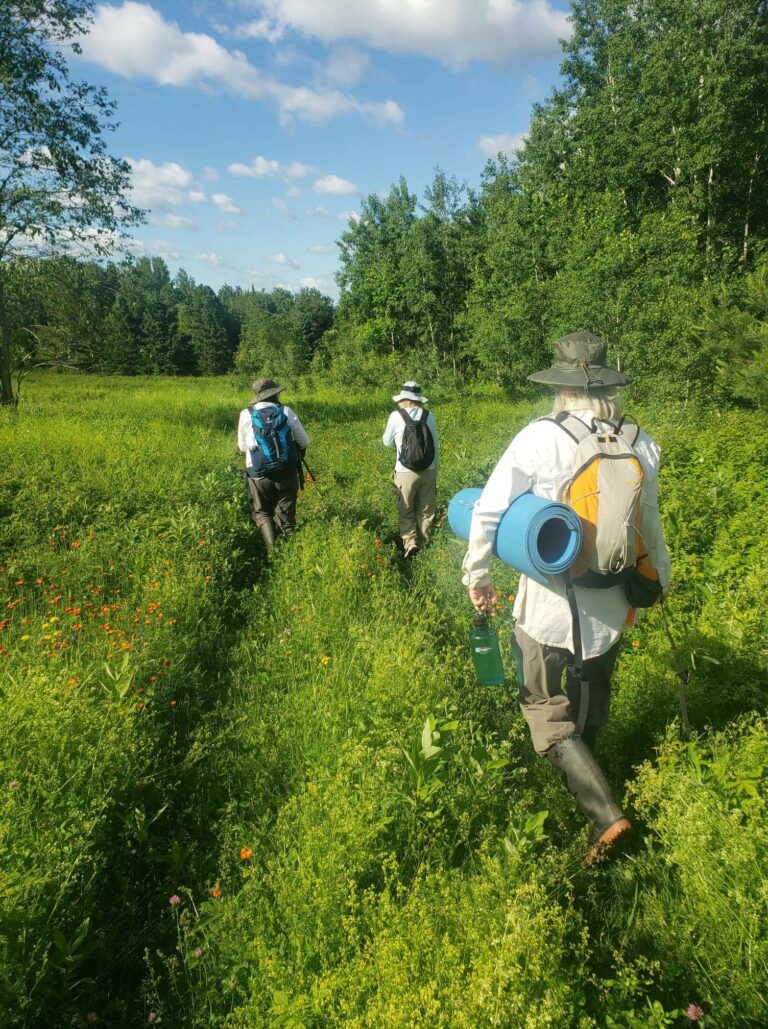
[(297, 751)]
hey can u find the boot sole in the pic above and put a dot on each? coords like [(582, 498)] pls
[(606, 845)]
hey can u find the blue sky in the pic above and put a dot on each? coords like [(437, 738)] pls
[(255, 127)]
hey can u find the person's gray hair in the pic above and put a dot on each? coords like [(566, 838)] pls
[(604, 403)]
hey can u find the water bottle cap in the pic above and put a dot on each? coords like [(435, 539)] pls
[(479, 620)]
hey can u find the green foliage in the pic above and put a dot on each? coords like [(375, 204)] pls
[(735, 329), (61, 188), (356, 832)]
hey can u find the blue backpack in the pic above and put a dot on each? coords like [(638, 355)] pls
[(275, 450)]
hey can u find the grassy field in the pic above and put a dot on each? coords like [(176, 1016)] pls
[(217, 802)]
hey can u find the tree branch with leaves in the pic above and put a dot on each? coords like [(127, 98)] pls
[(61, 192)]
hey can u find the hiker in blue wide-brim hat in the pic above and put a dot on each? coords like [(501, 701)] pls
[(573, 624), (412, 431), (273, 441)]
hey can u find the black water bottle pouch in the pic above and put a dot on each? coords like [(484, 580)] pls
[(641, 591)]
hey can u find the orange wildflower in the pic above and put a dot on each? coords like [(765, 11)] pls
[(246, 854), (216, 891)]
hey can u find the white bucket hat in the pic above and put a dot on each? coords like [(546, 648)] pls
[(410, 391)]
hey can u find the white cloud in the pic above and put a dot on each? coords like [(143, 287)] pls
[(257, 169), (308, 282), (197, 196), (346, 66), (294, 192), (282, 259), (84, 243), (225, 203), (157, 186), (504, 143), (162, 248), (174, 221), (261, 167), (209, 174), (135, 40), (318, 250), (210, 258), (335, 186), (452, 31), (261, 28), (346, 216)]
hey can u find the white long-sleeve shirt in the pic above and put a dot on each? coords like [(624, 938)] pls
[(246, 440), (540, 459), (395, 430)]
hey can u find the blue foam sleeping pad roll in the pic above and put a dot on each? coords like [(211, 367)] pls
[(536, 536)]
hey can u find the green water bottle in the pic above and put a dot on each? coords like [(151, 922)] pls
[(486, 656)]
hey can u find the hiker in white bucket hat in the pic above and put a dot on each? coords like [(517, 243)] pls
[(412, 430)]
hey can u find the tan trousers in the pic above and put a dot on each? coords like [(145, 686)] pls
[(549, 711), (416, 494)]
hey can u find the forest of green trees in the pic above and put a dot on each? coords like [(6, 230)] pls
[(637, 208)]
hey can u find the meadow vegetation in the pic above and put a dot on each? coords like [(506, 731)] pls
[(245, 792)]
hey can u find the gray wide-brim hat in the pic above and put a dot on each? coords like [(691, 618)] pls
[(266, 388), (580, 364), (411, 391)]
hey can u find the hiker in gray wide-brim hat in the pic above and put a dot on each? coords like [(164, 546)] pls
[(273, 441), (549, 638), (265, 389), (580, 363)]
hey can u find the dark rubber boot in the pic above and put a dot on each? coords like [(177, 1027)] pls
[(589, 787), (267, 529), (589, 735)]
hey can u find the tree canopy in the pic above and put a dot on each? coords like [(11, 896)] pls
[(60, 189)]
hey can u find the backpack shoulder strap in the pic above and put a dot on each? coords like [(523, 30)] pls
[(630, 431), (576, 428), (406, 417)]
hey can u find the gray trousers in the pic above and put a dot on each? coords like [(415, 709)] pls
[(550, 711), (274, 499)]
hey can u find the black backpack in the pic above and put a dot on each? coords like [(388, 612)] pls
[(417, 451)]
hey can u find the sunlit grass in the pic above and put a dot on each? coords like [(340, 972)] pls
[(173, 702)]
